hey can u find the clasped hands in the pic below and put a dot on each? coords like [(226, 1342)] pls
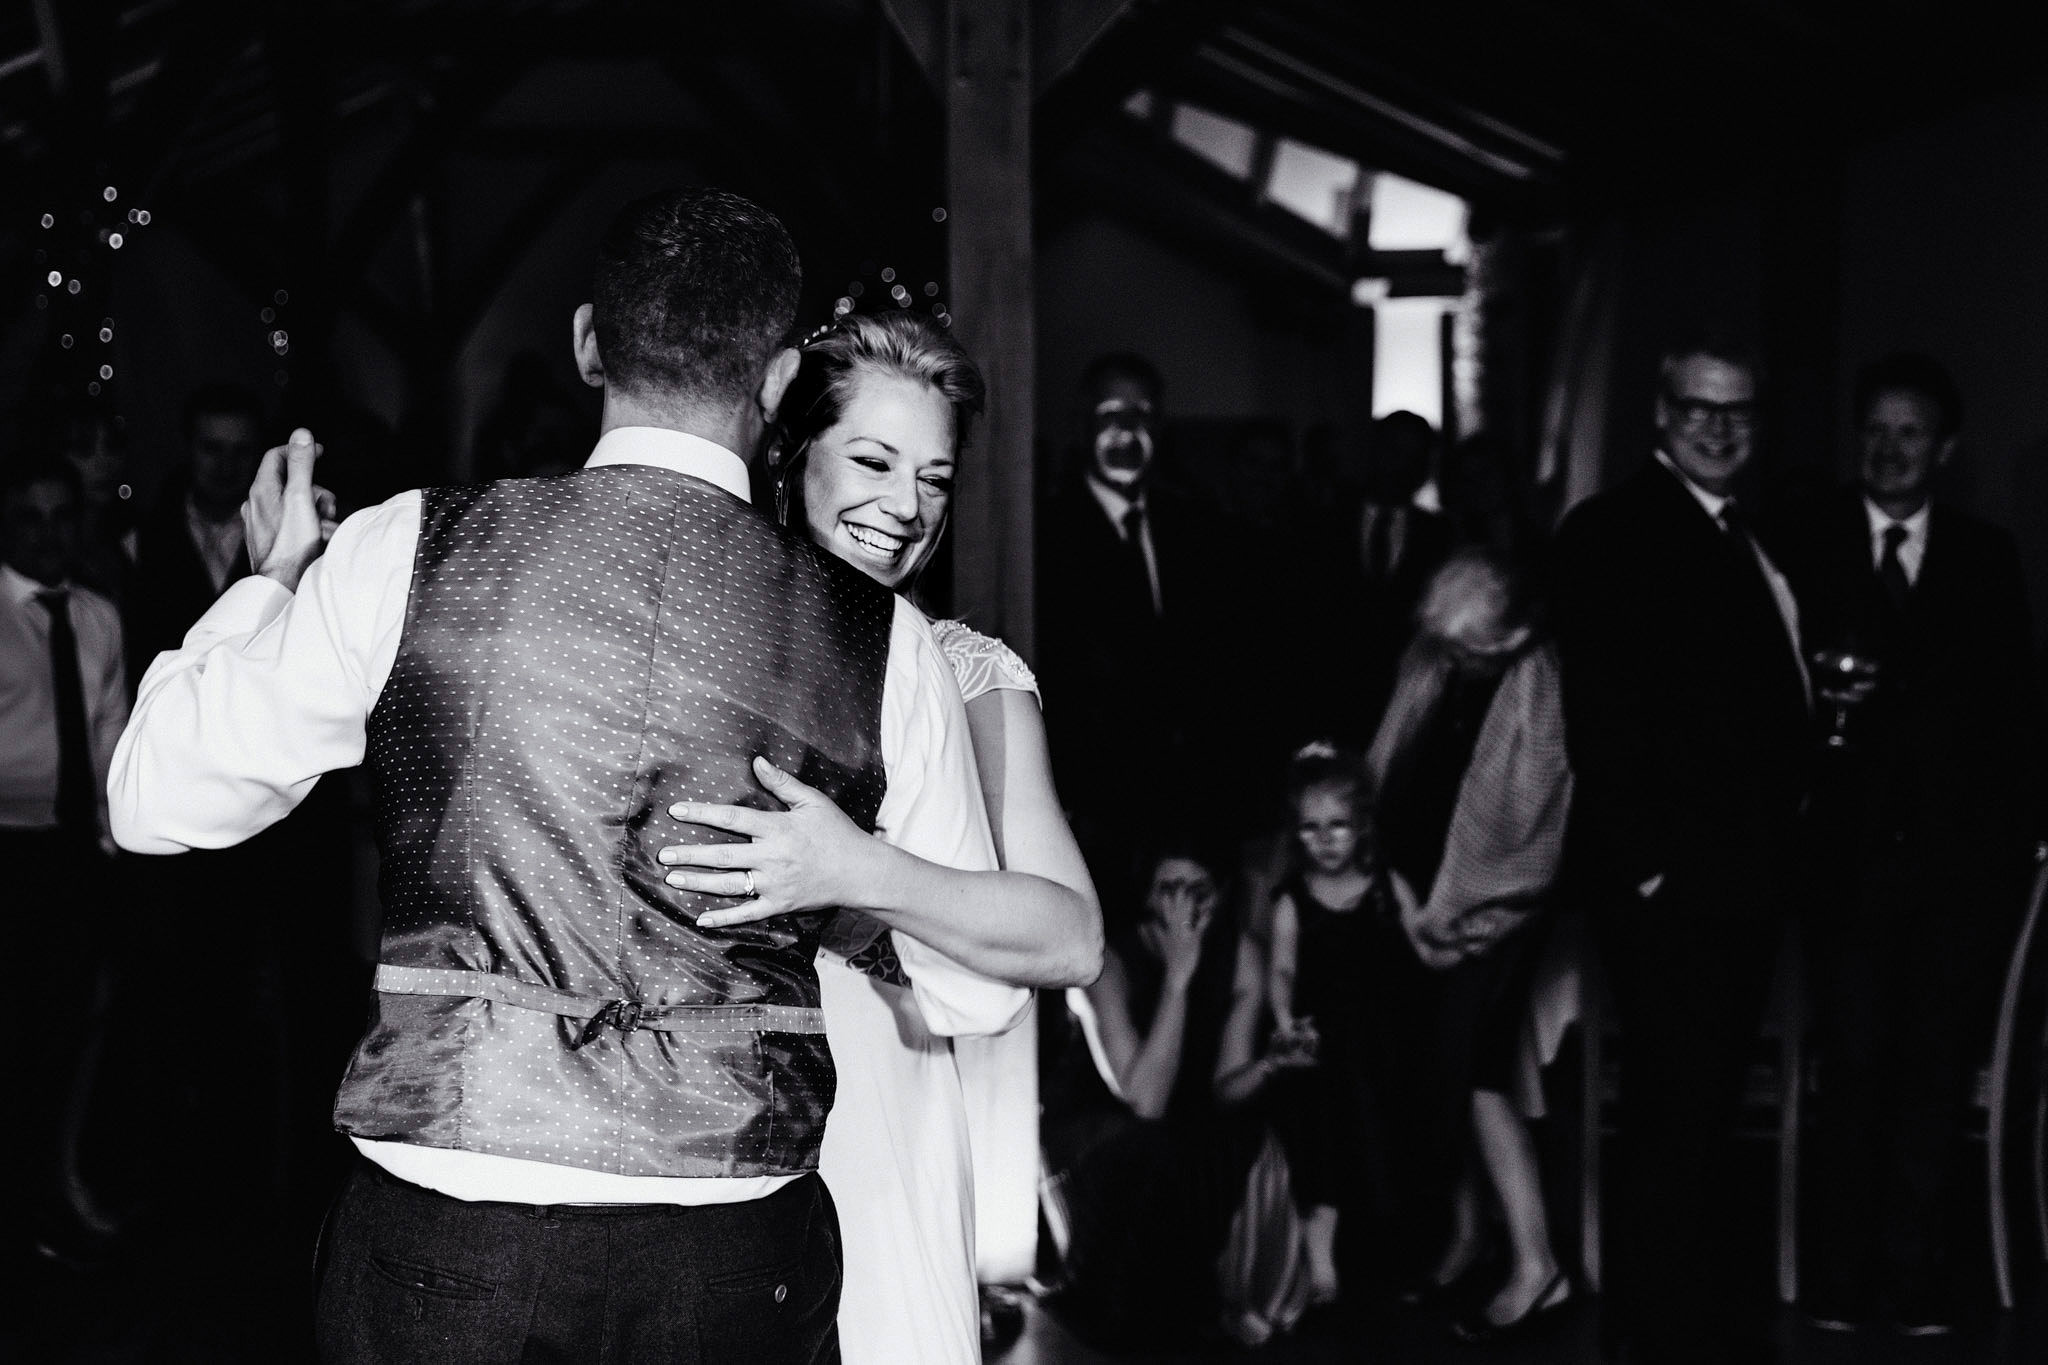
[(807, 857)]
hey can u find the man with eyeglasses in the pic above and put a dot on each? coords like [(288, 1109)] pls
[(1923, 819), (1687, 717)]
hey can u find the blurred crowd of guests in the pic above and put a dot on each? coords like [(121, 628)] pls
[(1342, 733)]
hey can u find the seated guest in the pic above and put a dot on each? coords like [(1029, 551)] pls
[(1923, 820), (63, 702), (1151, 1131), (1475, 791)]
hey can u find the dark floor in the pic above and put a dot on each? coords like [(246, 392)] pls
[(214, 1281), (1991, 1338)]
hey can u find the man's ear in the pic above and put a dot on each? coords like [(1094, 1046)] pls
[(1949, 446), (583, 341), (781, 374)]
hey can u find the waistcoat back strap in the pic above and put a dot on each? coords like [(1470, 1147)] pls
[(620, 1014)]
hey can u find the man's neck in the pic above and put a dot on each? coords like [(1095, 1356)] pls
[(41, 582), (728, 427), (1133, 492), (1898, 509), (211, 512)]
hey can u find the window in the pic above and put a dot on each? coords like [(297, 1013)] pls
[(1314, 184), (1408, 357), (1411, 217), (1214, 138)]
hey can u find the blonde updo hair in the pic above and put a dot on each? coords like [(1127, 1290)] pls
[(1474, 605)]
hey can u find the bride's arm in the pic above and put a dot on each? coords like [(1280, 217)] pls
[(1035, 923)]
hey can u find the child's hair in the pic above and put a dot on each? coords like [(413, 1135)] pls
[(1323, 763)]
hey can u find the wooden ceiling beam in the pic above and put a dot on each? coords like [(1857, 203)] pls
[(1177, 196)]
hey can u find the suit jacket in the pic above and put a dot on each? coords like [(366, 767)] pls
[(170, 589), (1685, 714), (1947, 748), (1127, 691)]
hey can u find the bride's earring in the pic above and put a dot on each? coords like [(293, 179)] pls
[(784, 477)]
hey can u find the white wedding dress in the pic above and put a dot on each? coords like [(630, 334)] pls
[(896, 1151)]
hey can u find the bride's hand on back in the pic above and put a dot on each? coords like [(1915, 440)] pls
[(807, 857)]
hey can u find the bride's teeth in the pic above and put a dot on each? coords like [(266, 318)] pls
[(875, 540)]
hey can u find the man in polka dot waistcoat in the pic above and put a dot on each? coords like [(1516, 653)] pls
[(587, 1124)]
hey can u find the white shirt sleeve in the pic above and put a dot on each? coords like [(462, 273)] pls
[(268, 691), (934, 809)]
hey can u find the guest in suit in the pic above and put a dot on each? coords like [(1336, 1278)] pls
[(1134, 583), (95, 443), (189, 550), (1922, 826), (1686, 717), (1394, 541), (63, 701), (190, 546)]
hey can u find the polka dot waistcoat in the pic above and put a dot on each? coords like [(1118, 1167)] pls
[(578, 653)]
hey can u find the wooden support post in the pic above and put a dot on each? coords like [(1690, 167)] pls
[(987, 91)]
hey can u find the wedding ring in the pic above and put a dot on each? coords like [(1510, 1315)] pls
[(750, 892)]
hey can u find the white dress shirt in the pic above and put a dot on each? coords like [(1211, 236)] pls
[(272, 689), (1116, 505), (1912, 550), (1781, 590), (28, 696)]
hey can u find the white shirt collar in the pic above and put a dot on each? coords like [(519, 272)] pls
[(19, 587), (674, 450), (1712, 502), (1115, 503), (1916, 525)]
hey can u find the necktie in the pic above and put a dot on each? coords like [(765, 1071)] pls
[(1890, 571), (77, 802), (1134, 554)]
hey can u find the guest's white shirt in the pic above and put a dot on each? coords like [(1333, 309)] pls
[(272, 689), (28, 696), (1781, 590), (1912, 550), (219, 543), (1116, 505)]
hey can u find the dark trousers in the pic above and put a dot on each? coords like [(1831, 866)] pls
[(1904, 988), (1689, 970), (58, 915), (408, 1275)]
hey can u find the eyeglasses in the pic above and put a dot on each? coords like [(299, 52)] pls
[(1696, 414)]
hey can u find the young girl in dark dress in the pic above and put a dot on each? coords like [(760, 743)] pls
[(1339, 956)]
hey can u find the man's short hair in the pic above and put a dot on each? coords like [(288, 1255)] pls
[(1912, 372), (42, 466), (1730, 346), (215, 399), (695, 290), (1123, 365)]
